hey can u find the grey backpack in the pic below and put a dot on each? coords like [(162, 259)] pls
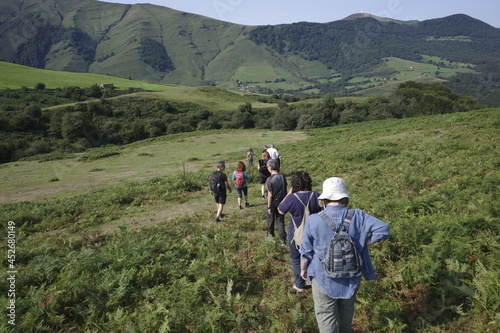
[(342, 259)]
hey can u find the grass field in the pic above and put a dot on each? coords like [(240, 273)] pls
[(136, 248), (211, 98), (405, 70), (27, 181), (13, 76)]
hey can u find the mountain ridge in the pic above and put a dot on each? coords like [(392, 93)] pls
[(160, 44), (379, 18)]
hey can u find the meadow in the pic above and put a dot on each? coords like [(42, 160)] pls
[(139, 251), (14, 76), (393, 71)]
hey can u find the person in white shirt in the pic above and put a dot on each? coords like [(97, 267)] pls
[(274, 154)]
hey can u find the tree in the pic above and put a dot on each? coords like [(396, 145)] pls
[(94, 91), (329, 102), (244, 117), (22, 122), (40, 86), (284, 120), (74, 126)]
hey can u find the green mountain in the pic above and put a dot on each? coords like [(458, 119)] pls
[(358, 55)]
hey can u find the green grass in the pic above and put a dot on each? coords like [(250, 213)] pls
[(135, 248), (405, 70), (13, 76), (212, 99), (255, 73), (100, 167)]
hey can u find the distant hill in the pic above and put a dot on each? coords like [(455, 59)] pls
[(356, 55)]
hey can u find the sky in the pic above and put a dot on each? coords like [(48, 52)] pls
[(264, 12)]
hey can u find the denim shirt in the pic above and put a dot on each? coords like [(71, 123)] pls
[(316, 240)]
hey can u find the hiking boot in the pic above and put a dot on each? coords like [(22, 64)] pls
[(217, 220), (247, 205), (240, 207), (298, 288)]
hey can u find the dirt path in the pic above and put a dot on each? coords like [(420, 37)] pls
[(201, 204), (30, 181)]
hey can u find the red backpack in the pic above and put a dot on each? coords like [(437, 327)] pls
[(239, 179)]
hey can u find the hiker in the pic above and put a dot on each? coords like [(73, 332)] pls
[(295, 203), (276, 191), (274, 154), (250, 155), (334, 298), (240, 178), (218, 186), (263, 173)]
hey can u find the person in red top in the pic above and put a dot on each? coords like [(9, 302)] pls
[(240, 178)]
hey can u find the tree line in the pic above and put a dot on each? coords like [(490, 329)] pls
[(30, 130)]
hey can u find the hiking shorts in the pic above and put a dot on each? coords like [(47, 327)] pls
[(242, 191), (220, 198)]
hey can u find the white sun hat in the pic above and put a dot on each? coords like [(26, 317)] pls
[(334, 189)]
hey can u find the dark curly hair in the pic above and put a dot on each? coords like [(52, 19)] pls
[(301, 181)]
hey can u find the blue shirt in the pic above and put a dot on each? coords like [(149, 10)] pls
[(316, 240)]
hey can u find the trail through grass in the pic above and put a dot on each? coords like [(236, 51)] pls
[(31, 180)]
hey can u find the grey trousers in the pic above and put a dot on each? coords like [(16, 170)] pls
[(333, 315)]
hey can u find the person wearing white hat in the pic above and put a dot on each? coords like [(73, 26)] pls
[(334, 298)]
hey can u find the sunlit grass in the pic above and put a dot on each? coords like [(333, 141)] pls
[(146, 255)]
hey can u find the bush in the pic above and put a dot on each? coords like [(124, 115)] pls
[(40, 86)]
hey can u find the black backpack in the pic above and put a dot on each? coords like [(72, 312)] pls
[(215, 182), (342, 259)]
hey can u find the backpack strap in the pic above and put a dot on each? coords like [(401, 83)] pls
[(302, 202), (328, 220), (347, 220)]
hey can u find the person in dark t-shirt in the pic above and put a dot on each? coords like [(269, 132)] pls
[(263, 172), (219, 191), (276, 190)]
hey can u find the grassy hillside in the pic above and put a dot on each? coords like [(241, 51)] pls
[(13, 76), (386, 77), (145, 255), (363, 54)]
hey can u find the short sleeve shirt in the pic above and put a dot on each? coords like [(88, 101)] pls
[(296, 209), (276, 184), (223, 179)]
